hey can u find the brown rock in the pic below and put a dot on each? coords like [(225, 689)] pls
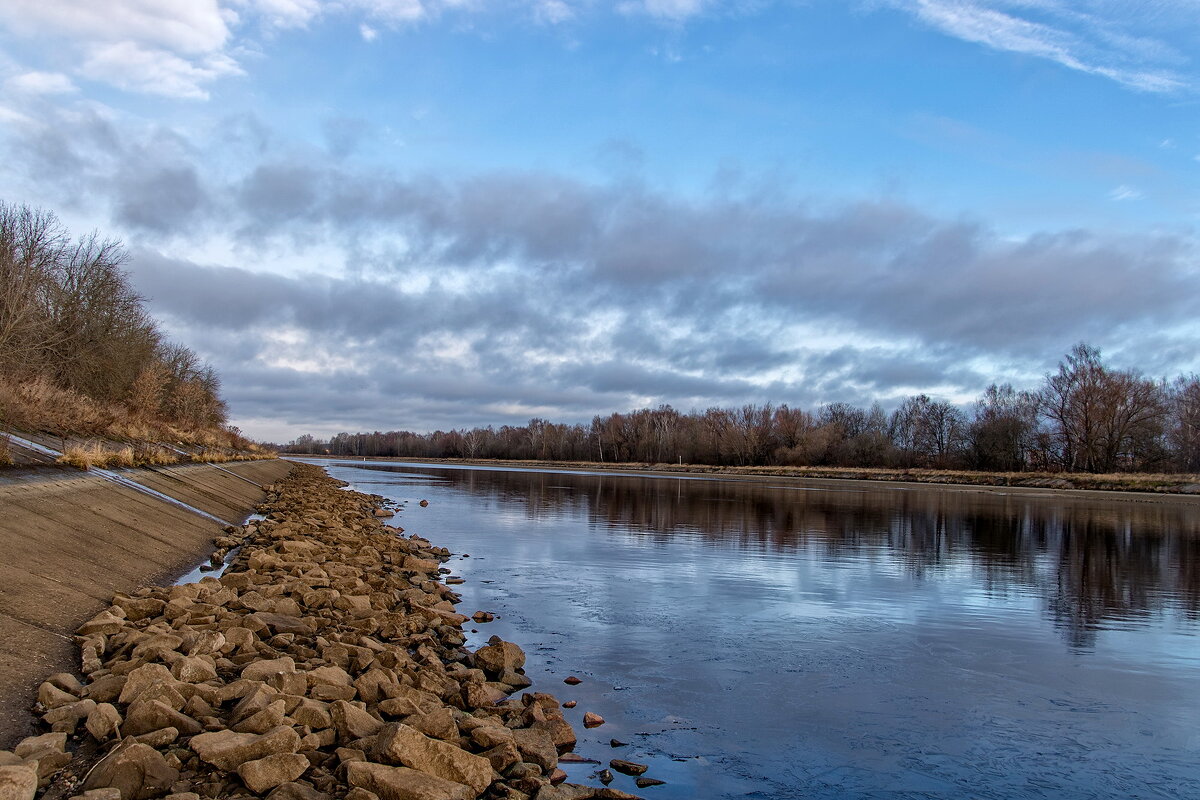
[(145, 716), (32, 746), (570, 704), (297, 791), (194, 669), (571, 680), (628, 767), (266, 773), (228, 750), (104, 721), (502, 756), (483, 616), (261, 670), (498, 656), (401, 783), (437, 724), (424, 504), (537, 747), (591, 720), (352, 722), (643, 783), (138, 770), (400, 744), (18, 782)]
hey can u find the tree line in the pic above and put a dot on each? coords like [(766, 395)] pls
[(75, 335), (1085, 417)]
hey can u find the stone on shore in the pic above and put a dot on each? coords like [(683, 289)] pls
[(138, 770)]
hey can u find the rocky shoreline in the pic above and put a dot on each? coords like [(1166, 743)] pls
[(327, 662)]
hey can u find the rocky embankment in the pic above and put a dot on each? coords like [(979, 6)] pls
[(327, 662)]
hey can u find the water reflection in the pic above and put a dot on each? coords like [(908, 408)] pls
[(1095, 564)]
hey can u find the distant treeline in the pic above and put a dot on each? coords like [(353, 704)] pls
[(1086, 417), (78, 352)]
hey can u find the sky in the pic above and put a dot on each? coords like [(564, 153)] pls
[(435, 214)]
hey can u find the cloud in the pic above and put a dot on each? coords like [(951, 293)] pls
[(1095, 43), (41, 83), (360, 297), (1123, 192)]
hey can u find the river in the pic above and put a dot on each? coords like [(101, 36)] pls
[(753, 639)]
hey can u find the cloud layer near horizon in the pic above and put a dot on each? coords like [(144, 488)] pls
[(408, 300)]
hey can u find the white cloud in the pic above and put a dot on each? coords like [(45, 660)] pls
[(664, 9), (552, 12), (368, 33), (41, 83), (1058, 33), (195, 27), (1124, 192), (128, 65)]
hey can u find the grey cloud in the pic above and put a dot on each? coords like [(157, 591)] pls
[(580, 298)]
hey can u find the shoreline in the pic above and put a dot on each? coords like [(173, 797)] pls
[(1017, 484), (72, 539), (327, 659)]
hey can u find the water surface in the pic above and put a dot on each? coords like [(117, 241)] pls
[(754, 640)]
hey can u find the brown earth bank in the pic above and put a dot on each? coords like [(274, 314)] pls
[(1057, 483), (71, 539), (327, 662)]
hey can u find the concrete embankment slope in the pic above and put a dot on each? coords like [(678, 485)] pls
[(68, 541)]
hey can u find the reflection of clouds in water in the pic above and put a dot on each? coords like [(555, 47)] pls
[(1094, 563)]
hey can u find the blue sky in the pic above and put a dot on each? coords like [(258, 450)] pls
[(376, 214)]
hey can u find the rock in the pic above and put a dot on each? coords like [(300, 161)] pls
[(591, 720), (194, 669), (138, 770), (266, 773), (297, 791), (352, 722), (50, 696), (229, 750), (617, 743), (400, 744), (537, 747), (437, 724), (104, 722), (18, 782), (499, 656), (643, 783), (628, 767), (261, 670), (483, 616), (424, 504), (570, 704), (109, 793), (571, 680), (33, 746), (605, 776), (145, 716), (502, 756), (575, 758), (402, 783), (143, 678)]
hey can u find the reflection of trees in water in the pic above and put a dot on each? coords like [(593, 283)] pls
[(1094, 561)]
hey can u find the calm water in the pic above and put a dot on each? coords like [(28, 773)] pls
[(751, 640)]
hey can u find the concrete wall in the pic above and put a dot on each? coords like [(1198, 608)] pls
[(69, 540)]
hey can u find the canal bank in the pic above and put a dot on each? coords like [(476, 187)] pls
[(70, 540)]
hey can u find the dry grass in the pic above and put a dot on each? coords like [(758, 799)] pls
[(6, 459), (41, 406)]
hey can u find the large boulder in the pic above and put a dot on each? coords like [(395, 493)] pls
[(498, 656), (138, 770), (401, 783), (264, 774), (18, 782), (400, 744), (229, 750)]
